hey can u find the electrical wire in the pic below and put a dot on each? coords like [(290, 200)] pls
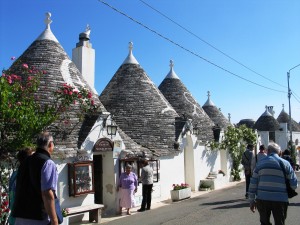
[(187, 50), (210, 45)]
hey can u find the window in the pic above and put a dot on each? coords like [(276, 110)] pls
[(81, 178), (137, 168)]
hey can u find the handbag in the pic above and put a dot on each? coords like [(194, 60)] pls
[(60, 217), (290, 191)]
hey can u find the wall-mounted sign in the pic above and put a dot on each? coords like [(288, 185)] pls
[(103, 145)]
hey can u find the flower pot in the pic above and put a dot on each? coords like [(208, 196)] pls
[(177, 195)]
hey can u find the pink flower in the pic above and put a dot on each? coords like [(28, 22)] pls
[(30, 78), (70, 92), (13, 58), (92, 102), (25, 65), (79, 96), (44, 71)]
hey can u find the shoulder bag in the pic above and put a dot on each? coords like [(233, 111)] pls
[(291, 192)]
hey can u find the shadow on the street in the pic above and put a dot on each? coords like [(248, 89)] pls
[(236, 203)]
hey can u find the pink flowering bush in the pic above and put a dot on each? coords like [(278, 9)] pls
[(4, 209), (22, 115), (179, 186)]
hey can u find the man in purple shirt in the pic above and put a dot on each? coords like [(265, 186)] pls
[(36, 186)]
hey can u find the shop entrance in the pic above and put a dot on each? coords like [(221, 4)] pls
[(98, 179)]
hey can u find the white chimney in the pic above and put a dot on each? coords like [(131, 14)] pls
[(83, 57)]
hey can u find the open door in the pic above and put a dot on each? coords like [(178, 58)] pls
[(98, 179)]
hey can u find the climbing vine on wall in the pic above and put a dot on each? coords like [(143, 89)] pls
[(235, 140)]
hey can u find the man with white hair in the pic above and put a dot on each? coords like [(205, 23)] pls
[(267, 191)]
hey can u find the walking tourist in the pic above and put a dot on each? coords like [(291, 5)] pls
[(36, 186), (246, 162), (267, 191), (287, 156), (260, 155), (147, 182), (127, 187)]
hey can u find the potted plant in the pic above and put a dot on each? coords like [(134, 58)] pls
[(204, 186), (180, 191)]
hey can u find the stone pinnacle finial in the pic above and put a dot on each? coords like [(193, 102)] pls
[(88, 30), (171, 64), (48, 21), (130, 47), (282, 106), (229, 116)]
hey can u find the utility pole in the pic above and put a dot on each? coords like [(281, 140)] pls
[(290, 114)]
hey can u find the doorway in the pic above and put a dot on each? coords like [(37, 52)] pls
[(98, 179)]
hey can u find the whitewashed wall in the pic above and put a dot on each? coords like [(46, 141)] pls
[(171, 172)]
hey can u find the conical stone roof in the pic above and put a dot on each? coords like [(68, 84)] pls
[(139, 108), (184, 103), (266, 122), (283, 117), (46, 53), (215, 114), (248, 122)]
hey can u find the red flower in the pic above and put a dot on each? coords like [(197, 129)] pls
[(25, 65), (89, 95), (5, 203)]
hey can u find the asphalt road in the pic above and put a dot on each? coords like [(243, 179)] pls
[(221, 207)]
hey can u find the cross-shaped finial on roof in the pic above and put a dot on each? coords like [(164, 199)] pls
[(282, 106), (208, 94), (48, 21)]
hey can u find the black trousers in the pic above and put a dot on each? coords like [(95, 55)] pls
[(278, 209), (147, 192), (247, 178)]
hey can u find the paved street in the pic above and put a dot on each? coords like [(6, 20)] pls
[(220, 207)]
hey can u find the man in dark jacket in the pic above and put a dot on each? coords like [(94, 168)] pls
[(246, 162), (36, 186)]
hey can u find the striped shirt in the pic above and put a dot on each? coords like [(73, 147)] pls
[(268, 181)]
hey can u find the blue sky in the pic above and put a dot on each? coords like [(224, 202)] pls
[(263, 36)]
